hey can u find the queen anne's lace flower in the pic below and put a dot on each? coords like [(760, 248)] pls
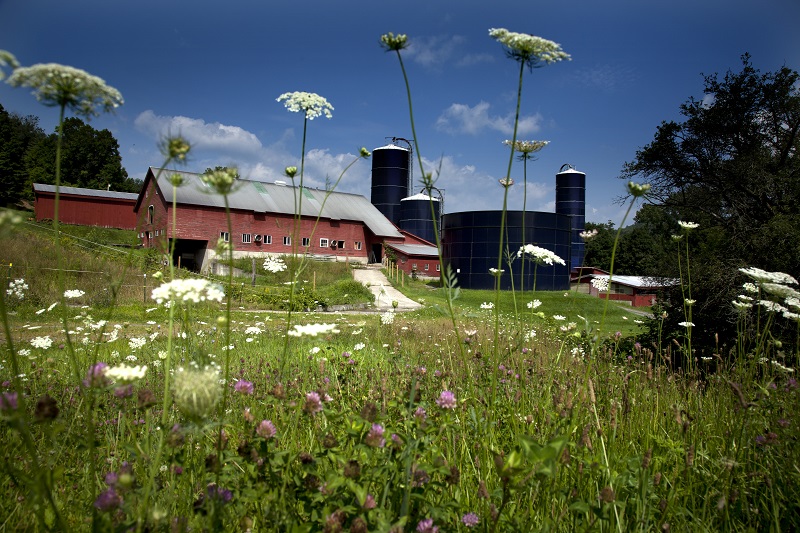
[(188, 290), (197, 391), (688, 225), (312, 329), (768, 277), (526, 147), (529, 49), (74, 293), (274, 265), (312, 104), (60, 85), (394, 43), (125, 373), (540, 255)]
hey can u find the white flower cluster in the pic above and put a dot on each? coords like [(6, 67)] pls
[(188, 290), (588, 234), (274, 264), (73, 293), (136, 342), (762, 276), (601, 284), (387, 318), (688, 225), (487, 305), (312, 104), (312, 329), (42, 342), (60, 85), (16, 289), (529, 48), (540, 255), (126, 374), (775, 284), (526, 147), (534, 304)]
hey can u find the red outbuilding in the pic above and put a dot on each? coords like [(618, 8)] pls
[(333, 225), (85, 207)]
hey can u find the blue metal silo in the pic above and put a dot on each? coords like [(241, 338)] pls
[(471, 241), (571, 201), (391, 174), (416, 216)]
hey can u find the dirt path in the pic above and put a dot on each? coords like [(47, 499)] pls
[(384, 293)]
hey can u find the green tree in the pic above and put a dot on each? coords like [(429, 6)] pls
[(17, 135), (732, 166), (597, 252), (90, 159)]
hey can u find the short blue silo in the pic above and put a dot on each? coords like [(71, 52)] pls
[(571, 201), (471, 244), (391, 168), (417, 216)]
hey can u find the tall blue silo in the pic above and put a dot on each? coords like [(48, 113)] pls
[(571, 201), (471, 244), (417, 215), (391, 172)]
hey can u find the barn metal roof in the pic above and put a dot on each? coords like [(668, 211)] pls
[(263, 197), (80, 191), (640, 282), (415, 249)]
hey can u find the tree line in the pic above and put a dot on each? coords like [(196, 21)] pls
[(730, 165), (90, 158)]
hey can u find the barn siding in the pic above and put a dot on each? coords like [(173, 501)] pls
[(86, 210)]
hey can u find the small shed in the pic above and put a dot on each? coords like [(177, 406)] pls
[(85, 207), (638, 291), (415, 254)]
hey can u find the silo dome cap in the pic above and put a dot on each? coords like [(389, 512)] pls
[(391, 147), (420, 196)]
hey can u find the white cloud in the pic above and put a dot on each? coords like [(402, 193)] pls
[(200, 134), (461, 118), (434, 51), (607, 78)]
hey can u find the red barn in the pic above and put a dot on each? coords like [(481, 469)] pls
[(415, 254), (333, 225), (85, 207)]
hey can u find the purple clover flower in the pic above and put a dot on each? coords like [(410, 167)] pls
[(446, 400), (426, 526), (375, 436), (266, 429), (470, 520), (313, 403), (8, 401), (96, 375), (244, 387), (108, 500)]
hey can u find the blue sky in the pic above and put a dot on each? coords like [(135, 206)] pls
[(212, 71)]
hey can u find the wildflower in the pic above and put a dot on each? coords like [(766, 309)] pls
[(768, 277), (387, 318), (539, 255), (780, 290), (108, 500), (243, 387), (470, 520), (17, 289), (686, 324), (126, 374), (42, 342), (529, 49), (369, 502), (75, 293), (375, 437), (8, 401), (420, 414), (266, 429), (600, 283), (188, 290), (446, 400), (750, 287), (689, 302), (394, 43), (290, 172), (196, 391), (496, 272), (312, 104), (67, 87), (688, 225), (782, 368), (637, 190), (221, 180), (175, 149), (252, 330), (526, 147), (426, 526), (559, 317), (363, 152), (534, 304), (218, 493), (677, 238), (313, 403), (96, 375), (588, 234), (487, 305), (312, 329), (274, 265), (358, 347), (506, 182), (136, 342)]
